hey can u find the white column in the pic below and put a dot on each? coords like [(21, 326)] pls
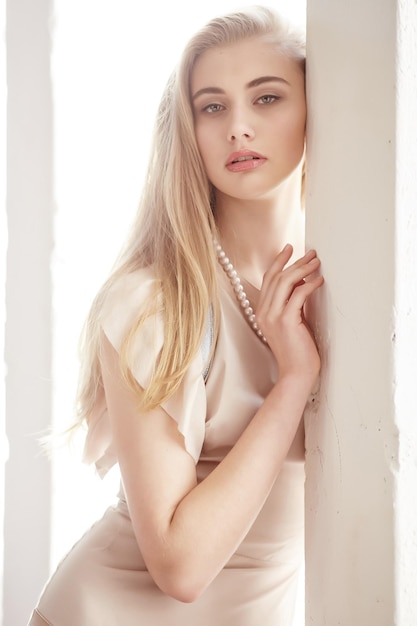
[(3, 246), (405, 354), (28, 304), (361, 440)]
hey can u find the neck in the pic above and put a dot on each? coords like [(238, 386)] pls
[(253, 232)]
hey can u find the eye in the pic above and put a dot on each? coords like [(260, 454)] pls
[(213, 108), (267, 99)]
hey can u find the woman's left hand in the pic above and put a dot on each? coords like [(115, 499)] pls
[(280, 314)]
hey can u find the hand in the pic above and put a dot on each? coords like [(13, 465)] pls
[(280, 314)]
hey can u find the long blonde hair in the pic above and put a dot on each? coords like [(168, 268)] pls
[(175, 223)]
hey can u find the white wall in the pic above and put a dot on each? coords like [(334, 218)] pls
[(28, 303), (405, 356), (361, 530), (3, 244)]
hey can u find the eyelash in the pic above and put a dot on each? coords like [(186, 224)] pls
[(219, 107), (207, 108), (270, 97)]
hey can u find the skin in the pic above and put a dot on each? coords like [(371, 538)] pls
[(262, 204), (176, 520), (252, 99)]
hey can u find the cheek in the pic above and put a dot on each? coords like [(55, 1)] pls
[(200, 138), (206, 145), (298, 143), (296, 129), (297, 117)]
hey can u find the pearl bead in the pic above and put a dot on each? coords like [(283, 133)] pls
[(239, 291)]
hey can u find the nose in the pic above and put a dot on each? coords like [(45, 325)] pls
[(240, 126)]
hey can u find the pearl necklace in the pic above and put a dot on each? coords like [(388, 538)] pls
[(239, 291)]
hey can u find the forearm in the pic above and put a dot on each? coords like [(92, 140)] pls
[(211, 521)]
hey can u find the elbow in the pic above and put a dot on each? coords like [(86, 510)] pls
[(185, 588), (187, 595), (179, 572)]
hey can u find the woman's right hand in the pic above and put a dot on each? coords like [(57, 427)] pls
[(280, 315)]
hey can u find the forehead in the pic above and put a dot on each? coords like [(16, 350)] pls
[(242, 62)]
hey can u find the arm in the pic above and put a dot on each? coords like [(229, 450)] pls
[(177, 521)]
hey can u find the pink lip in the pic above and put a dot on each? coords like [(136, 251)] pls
[(234, 165)]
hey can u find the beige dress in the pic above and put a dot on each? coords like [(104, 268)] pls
[(103, 581)]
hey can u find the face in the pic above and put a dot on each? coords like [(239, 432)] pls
[(249, 116)]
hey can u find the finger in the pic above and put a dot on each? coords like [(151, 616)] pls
[(293, 311), (282, 285), (278, 265), (301, 293), (289, 299), (305, 272)]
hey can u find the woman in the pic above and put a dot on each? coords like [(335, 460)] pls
[(199, 401)]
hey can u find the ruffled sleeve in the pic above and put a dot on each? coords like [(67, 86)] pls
[(187, 406)]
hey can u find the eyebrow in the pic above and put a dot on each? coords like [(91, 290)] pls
[(253, 83)]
